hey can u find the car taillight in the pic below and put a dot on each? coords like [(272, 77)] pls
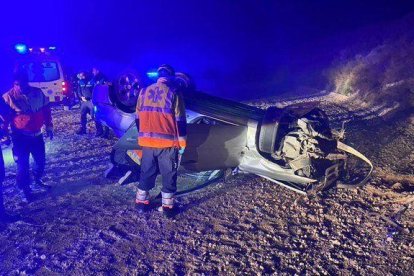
[(64, 88)]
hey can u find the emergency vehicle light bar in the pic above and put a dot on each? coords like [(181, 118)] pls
[(23, 49)]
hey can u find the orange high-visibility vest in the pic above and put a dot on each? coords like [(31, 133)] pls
[(161, 113)]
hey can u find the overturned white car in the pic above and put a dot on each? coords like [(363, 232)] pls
[(294, 148)]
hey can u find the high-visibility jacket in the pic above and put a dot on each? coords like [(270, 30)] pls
[(161, 114), (29, 111)]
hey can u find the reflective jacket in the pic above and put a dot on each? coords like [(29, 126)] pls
[(161, 114), (29, 111)]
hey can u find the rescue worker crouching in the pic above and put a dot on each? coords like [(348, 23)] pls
[(161, 123), (29, 112)]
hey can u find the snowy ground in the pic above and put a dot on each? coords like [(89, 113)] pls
[(88, 225)]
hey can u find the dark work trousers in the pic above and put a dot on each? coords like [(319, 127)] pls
[(164, 160), (23, 146), (87, 108)]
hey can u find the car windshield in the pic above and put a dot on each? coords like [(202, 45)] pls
[(41, 71)]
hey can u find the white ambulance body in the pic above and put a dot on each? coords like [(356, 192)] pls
[(44, 71)]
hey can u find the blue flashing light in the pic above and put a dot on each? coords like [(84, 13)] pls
[(21, 48), (95, 109), (152, 75), (52, 48)]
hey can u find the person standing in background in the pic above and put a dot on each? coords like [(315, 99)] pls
[(85, 91), (30, 111), (98, 79)]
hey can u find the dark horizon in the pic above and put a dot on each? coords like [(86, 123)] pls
[(229, 48)]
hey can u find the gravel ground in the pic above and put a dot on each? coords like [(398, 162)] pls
[(89, 225)]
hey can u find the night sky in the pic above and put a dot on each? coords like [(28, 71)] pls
[(233, 48)]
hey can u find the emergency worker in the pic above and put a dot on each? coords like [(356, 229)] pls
[(85, 90), (84, 93), (29, 112), (99, 79), (161, 123)]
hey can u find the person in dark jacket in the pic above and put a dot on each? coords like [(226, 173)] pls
[(162, 127), (99, 79), (30, 111), (85, 90)]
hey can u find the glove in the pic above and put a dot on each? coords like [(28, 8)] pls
[(49, 133), (181, 151)]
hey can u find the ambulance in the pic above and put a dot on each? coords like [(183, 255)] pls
[(44, 71)]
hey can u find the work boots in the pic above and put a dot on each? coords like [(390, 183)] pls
[(142, 201), (168, 208), (26, 192)]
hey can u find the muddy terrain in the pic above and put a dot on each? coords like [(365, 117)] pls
[(88, 225)]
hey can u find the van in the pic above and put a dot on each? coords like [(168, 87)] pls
[(44, 71)]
